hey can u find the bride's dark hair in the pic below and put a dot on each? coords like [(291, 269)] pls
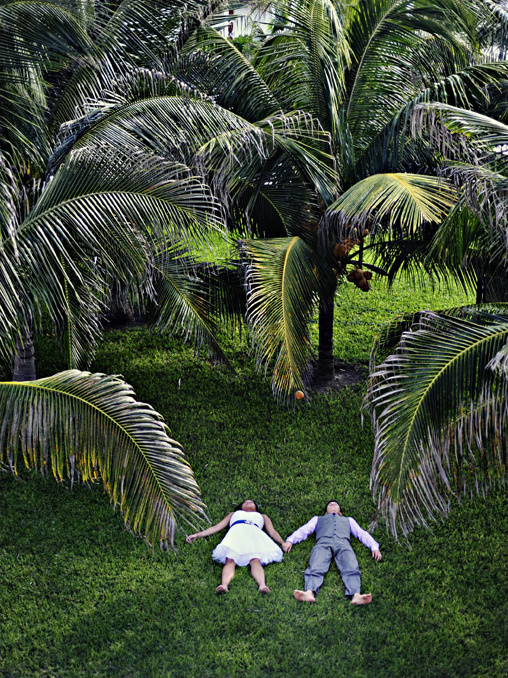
[(239, 507)]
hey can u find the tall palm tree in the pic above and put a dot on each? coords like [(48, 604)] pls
[(119, 178), (71, 221), (358, 69)]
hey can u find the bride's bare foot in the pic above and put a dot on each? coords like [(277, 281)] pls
[(304, 596), (221, 589), (361, 599), (264, 589)]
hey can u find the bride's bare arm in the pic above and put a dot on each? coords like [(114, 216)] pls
[(210, 530), (268, 526)]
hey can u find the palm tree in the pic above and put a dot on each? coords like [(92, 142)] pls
[(111, 183), (48, 186), (358, 69), (72, 221), (439, 407)]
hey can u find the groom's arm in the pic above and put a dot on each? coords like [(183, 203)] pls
[(300, 534)]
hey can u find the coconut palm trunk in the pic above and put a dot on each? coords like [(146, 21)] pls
[(326, 365), (24, 360)]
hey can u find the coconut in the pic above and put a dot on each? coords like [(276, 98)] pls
[(340, 250), (367, 275)]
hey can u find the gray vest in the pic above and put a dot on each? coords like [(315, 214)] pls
[(333, 525)]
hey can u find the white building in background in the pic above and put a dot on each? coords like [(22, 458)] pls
[(241, 18)]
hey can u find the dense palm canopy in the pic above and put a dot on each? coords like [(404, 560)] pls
[(360, 70), (116, 174), (135, 135)]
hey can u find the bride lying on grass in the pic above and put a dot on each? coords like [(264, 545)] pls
[(249, 541)]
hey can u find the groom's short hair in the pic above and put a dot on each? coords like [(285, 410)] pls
[(330, 501)]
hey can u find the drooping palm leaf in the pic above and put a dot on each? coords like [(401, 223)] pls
[(399, 200), (95, 220), (183, 302), (483, 180), (130, 35), (284, 277), (201, 135), (214, 65), (483, 132), (440, 414), (77, 423), (34, 33)]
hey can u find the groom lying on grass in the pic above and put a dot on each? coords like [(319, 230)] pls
[(333, 531)]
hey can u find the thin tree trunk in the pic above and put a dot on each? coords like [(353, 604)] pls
[(326, 365), (24, 360)]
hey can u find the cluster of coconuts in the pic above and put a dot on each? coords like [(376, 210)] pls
[(357, 276), (360, 278)]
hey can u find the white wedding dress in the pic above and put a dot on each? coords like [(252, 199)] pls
[(246, 540)]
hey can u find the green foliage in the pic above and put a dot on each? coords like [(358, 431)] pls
[(81, 425), (439, 412), (81, 597)]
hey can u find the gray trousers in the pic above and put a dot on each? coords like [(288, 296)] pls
[(321, 556)]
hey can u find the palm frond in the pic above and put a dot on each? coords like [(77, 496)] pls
[(400, 51), (305, 59), (35, 33), (93, 221), (183, 302), (77, 423), (283, 284), (129, 36), (209, 139), (213, 64), (483, 132), (403, 201), (440, 415)]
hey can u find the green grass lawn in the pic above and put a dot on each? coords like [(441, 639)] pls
[(82, 598)]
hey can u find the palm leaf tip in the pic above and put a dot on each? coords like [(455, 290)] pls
[(91, 425)]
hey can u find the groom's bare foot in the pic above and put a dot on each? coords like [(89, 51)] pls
[(221, 589), (264, 589), (361, 599), (304, 596)]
